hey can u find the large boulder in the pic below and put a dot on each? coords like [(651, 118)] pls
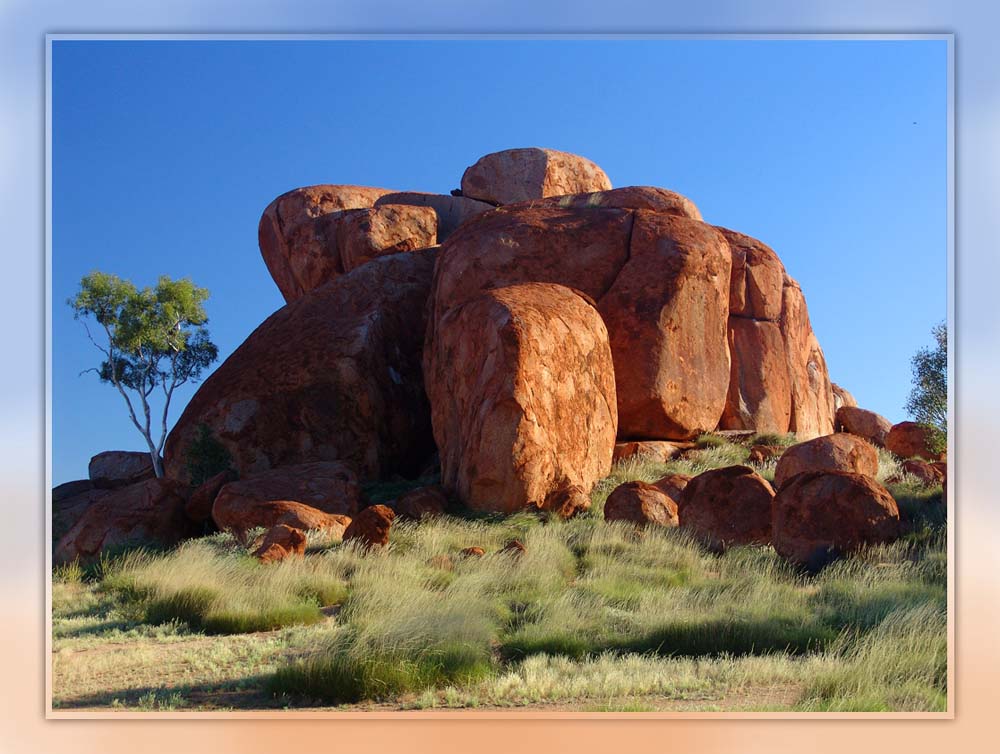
[(451, 211), (726, 507), (239, 516), (364, 234), (522, 392), (334, 375), (863, 423), (641, 503), (837, 452), (517, 175), (298, 234), (912, 440), (812, 392), (820, 515), (757, 280), (760, 388), (120, 468), (146, 513), (842, 397)]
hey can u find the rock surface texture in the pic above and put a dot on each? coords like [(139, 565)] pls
[(366, 234), (517, 175), (120, 468), (281, 542), (336, 375), (726, 507), (863, 423), (837, 452), (820, 515), (370, 528), (912, 440), (530, 414)]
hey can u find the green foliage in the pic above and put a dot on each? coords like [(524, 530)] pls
[(928, 401), (153, 338), (206, 456)]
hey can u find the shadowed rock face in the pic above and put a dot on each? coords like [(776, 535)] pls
[(335, 375), (120, 468), (820, 515), (838, 452), (149, 512), (517, 175), (522, 394)]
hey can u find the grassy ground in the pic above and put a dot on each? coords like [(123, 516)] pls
[(593, 616)]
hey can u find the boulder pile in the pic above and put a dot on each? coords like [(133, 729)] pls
[(526, 330)]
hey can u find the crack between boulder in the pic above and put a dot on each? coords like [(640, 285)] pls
[(628, 257)]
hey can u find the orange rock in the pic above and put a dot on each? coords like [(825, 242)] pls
[(364, 234), (473, 552), (820, 515), (812, 392), (930, 474), (281, 542), (423, 501), (530, 413), (842, 397), (298, 234), (673, 485), (240, 515), (451, 211), (763, 453), (516, 175), (652, 450), (567, 502), (334, 375), (760, 390), (666, 313), (757, 280), (838, 452), (641, 503), (199, 505), (726, 507), (628, 197), (910, 439), (370, 528), (863, 423), (149, 512)]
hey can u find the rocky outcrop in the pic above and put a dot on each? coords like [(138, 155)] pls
[(726, 507), (821, 515), (863, 423), (517, 175), (370, 528), (298, 234), (146, 513), (336, 375), (120, 468), (530, 414), (760, 387), (912, 440), (812, 392), (281, 542), (838, 452), (366, 234), (641, 503)]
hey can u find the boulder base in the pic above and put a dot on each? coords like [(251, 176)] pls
[(641, 503)]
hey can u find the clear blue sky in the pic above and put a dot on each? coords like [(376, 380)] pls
[(165, 154)]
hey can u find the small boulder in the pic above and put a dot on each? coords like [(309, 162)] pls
[(472, 552), (726, 507), (863, 423), (370, 528), (149, 512), (451, 211), (641, 503), (763, 453), (199, 505), (423, 501), (842, 397), (120, 468), (929, 474), (280, 542), (837, 452), (514, 547), (910, 439), (566, 502), (517, 175), (239, 516), (820, 515)]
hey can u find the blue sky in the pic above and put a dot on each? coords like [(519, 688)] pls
[(165, 154)]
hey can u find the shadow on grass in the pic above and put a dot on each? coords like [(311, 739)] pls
[(248, 692)]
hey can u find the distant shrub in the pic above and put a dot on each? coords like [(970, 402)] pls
[(206, 456)]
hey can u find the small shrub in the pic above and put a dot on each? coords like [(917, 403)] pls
[(206, 456)]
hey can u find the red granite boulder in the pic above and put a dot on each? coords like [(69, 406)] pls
[(517, 175), (726, 507), (837, 452), (370, 528), (863, 423), (641, 503)]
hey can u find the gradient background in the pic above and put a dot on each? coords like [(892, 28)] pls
[(164, 154), (22, 446)]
